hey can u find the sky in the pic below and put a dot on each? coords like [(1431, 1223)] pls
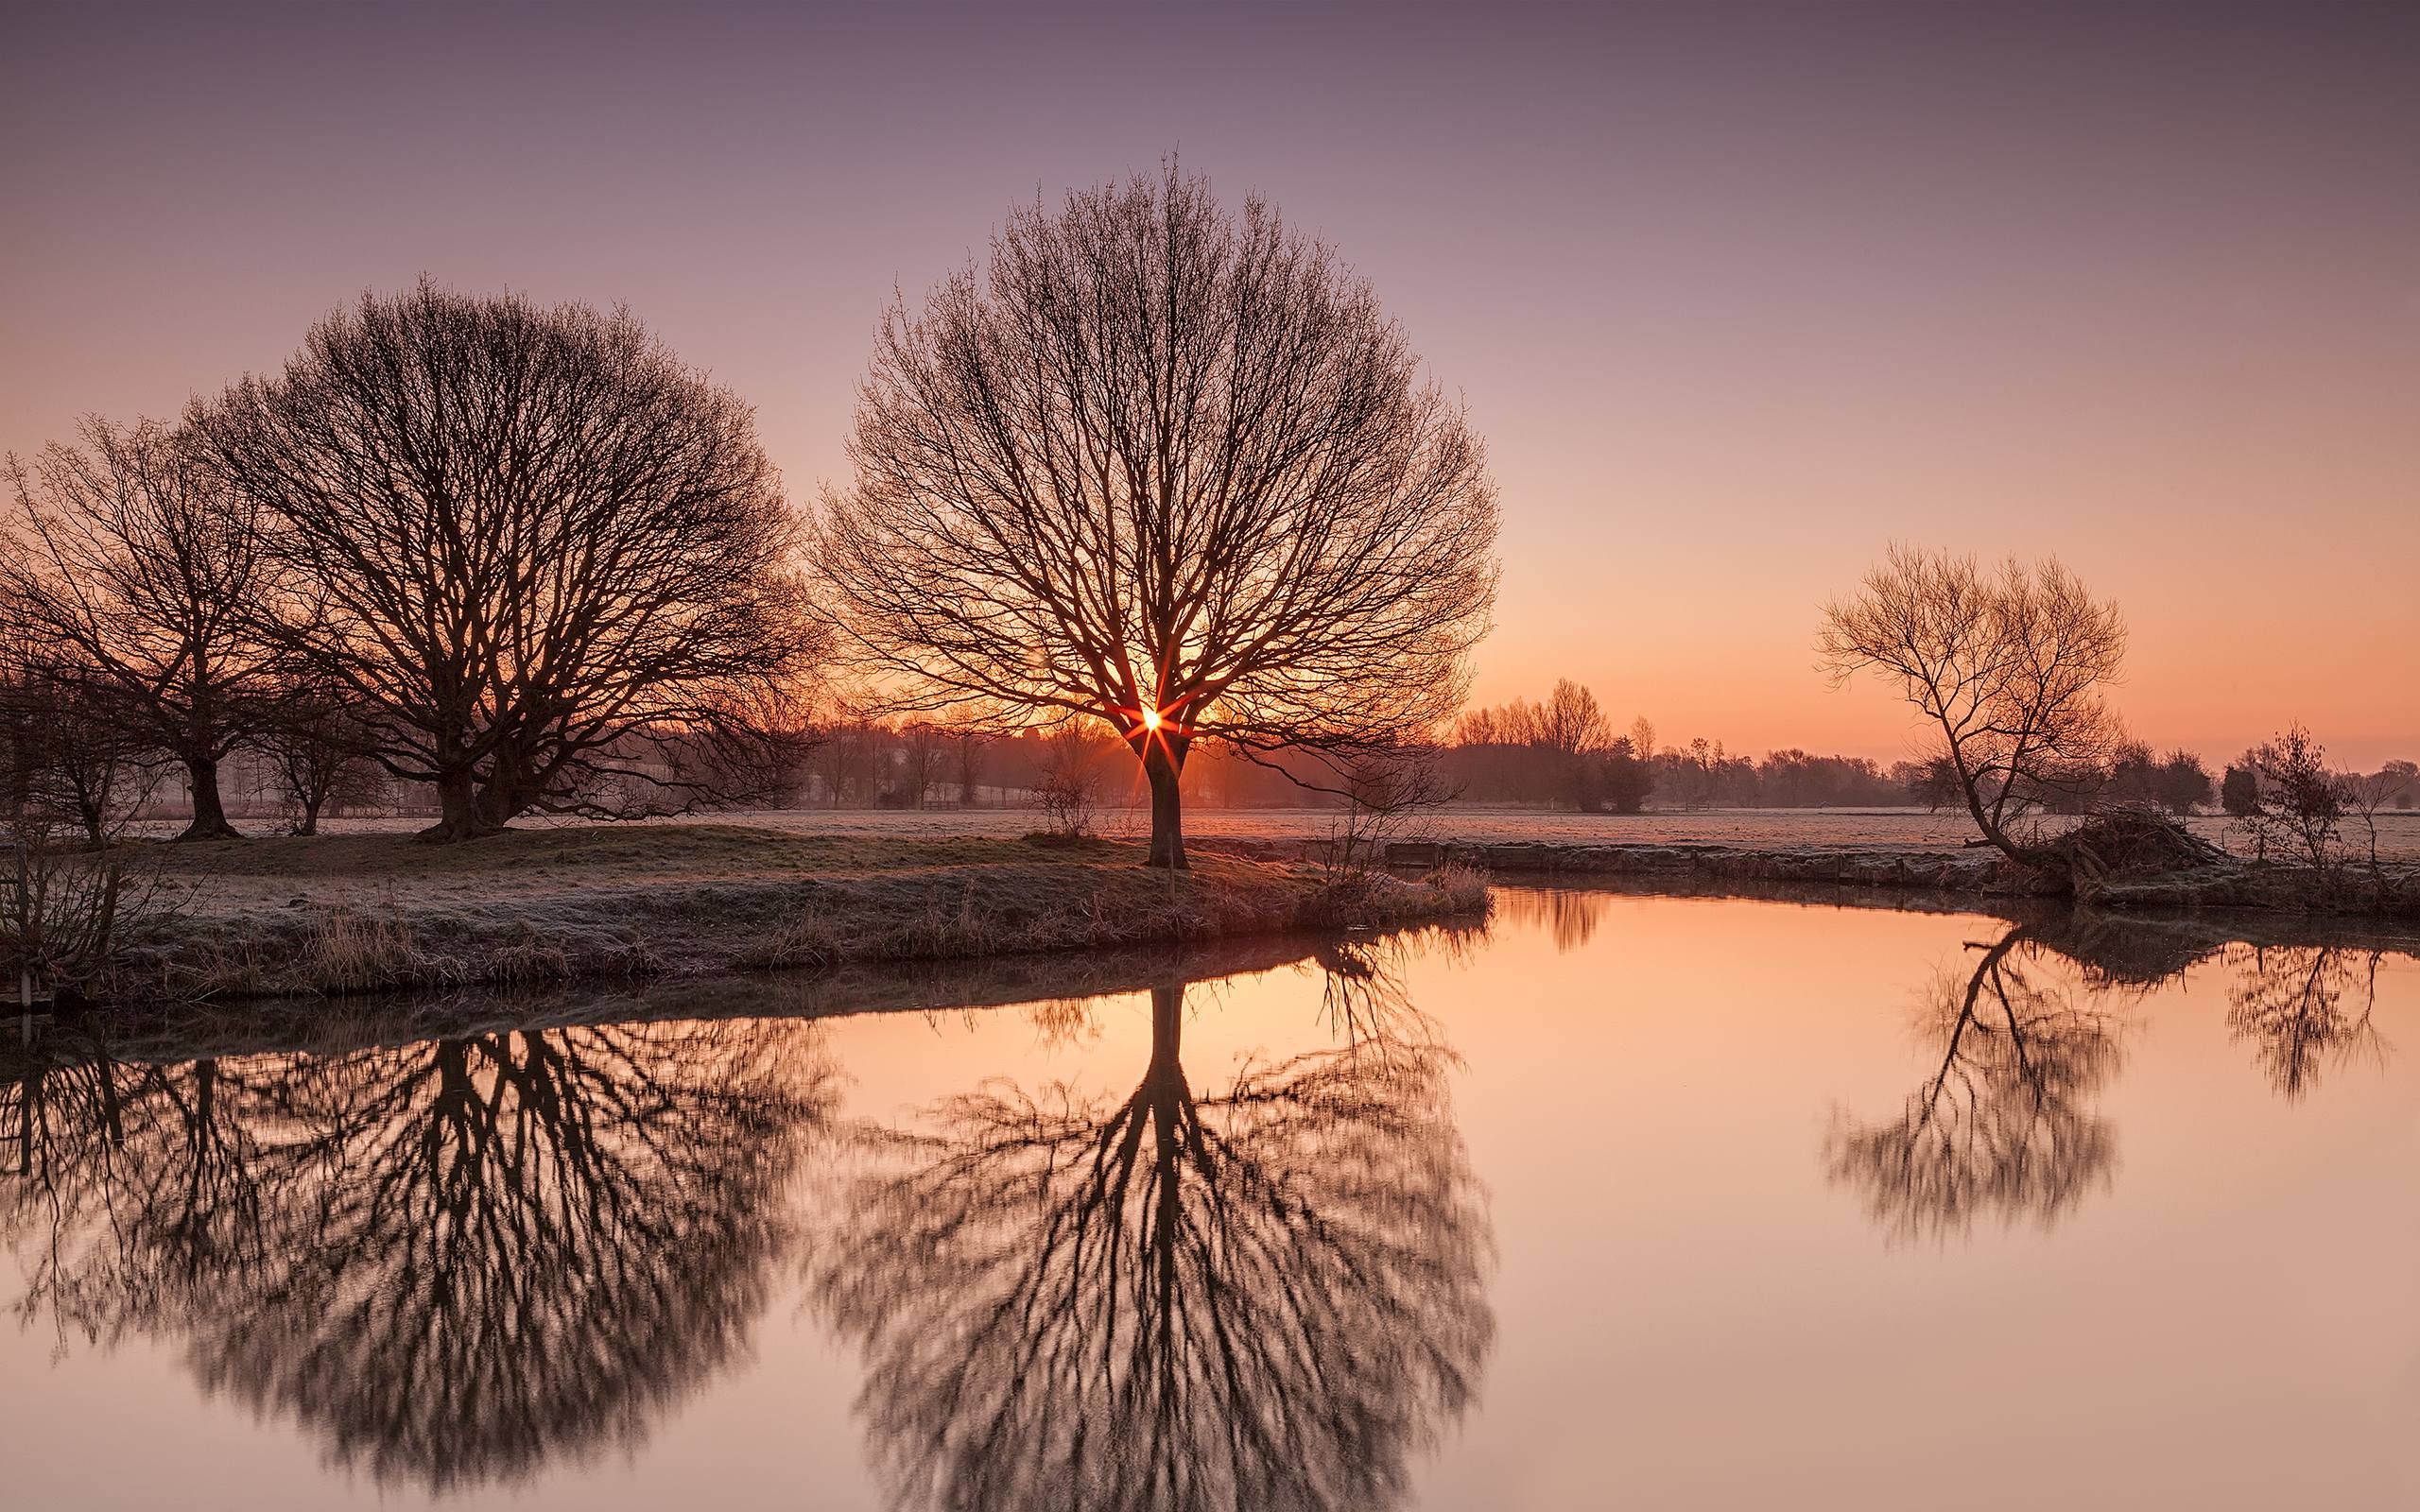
[(1738, 296)]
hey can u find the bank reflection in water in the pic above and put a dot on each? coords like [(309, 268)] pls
[(1268, 1294), (455, 1261)]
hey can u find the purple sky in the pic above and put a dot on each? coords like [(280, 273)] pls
[(1738, 295)]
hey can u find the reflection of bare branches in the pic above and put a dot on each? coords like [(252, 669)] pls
[(145, 1181), (1062, 1022), (1363, 1000), (2289, 1002), (1266, 1298), (456, 1259), (2004, 1127), (1572, 914)]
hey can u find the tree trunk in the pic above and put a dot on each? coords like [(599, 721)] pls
[(1162, 762), (209, 813), (2024, 856), (499, 800), (94, 815), (458, 809)]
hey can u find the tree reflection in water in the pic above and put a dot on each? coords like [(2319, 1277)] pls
[(2296, 1006), (2005, 1125), (1266, 1297), (457, 1259)]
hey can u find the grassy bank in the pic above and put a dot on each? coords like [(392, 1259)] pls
[(374, 912), (2391, 889)]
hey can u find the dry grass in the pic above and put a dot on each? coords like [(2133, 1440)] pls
[(369, 913), (350, 950)]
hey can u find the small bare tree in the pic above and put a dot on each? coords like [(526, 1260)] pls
[(1169, 468), (71, 752), (546, 560), (971, 751), (320, 754), (132, 556), (2366, 794), (1066, 782), (2009, 665), (2299, 803), (921, 752), (1388, 794)]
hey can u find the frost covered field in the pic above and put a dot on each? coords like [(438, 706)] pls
[(1758, 829)]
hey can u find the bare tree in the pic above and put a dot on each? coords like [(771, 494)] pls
[(971, 751), (71, 750), (2366, 794), (546, 559), (2009, 667), (919, 761), (2299, 801), (319, 753), (1388, 794), (1066, 782), (130, 556), (1166, 468), (847, 755), (1572, 722)]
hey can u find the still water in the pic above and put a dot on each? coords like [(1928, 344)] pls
[(1626, 1201)]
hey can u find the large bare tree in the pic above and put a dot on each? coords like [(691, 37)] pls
[(137, 562), (2008, 665), (552, 565), (1167, 468)]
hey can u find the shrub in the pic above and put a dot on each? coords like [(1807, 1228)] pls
[(2300, 800)]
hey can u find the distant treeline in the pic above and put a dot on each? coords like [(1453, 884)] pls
[(1559, 753), (906, 765), (1562, 752)]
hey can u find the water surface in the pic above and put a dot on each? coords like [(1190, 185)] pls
[(1629, 1200)]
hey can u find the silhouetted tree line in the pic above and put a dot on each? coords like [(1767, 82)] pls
[(517, 554), (1159, 469), (1560, 753), (877, 763)]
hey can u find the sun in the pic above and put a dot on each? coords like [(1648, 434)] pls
[(1151, 719)]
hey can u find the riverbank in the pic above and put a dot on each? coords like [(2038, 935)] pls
[(2390, 890), (369, 913)]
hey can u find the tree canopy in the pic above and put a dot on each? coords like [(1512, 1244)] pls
[(1168, 468)]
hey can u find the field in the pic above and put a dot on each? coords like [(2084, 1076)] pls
[(1752, 829)]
